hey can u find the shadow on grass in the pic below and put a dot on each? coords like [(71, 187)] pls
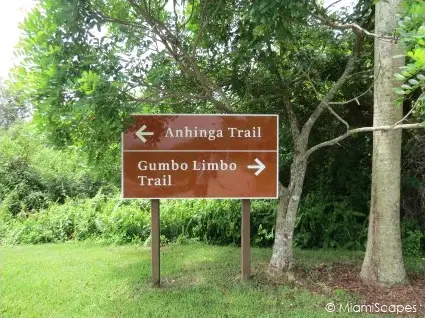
[(205, 281), (183, 266)]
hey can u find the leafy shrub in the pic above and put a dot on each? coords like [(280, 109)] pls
[(22, 186), (412, 238), (111, 219), (79, 219), (323, 222), (263, 218), (413, 192), (33, 175), (216, 222), (329, 223)]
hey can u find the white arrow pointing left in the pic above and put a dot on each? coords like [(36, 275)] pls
[(141, 133), (259, 166)]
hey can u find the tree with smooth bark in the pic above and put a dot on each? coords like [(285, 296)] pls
[(383, 261)]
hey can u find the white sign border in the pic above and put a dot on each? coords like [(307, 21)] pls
[(206, 198)]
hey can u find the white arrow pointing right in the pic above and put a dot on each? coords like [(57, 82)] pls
[(141, 133), (259, 166)]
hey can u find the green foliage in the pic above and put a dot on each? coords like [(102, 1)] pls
[(323, 222), (105, 61), (271, 16), (413, 239), (218, 221), (330, 222), (215, 222), (113, 220), (182, 239), (411, 30), (79, 219), (413, 184), (73, 78), (36, 180), (32, 175), (343, 172), (11, 108)]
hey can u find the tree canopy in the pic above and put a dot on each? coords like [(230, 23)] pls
[(89, 64)]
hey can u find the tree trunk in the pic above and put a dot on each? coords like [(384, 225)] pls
[(383, 262), (282, 256)]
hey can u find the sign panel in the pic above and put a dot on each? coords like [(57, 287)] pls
[(201, 156)]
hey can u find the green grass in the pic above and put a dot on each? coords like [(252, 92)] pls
[(82, 280)]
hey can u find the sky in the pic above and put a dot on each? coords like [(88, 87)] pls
[(12, 12)]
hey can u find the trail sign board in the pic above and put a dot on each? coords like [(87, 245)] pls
[(200, 156)]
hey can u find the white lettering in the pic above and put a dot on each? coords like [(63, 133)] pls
[(162, 166), (195, 132), (165, 180), (213, 166), (255, 132)]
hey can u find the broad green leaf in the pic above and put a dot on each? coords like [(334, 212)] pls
[(399, 91)]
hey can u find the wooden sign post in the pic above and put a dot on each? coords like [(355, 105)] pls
[(201, 156), (246, 239), (155, 236)]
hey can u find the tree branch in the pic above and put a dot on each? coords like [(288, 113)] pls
[(155, 98), (355, 99), (110, 19), (364, 129), (190, 15), (316, 91), (422, 96), (338, 117), (203, 24), (353, 26), (292, 119), (305, 132), (184, 60), (332, 4)]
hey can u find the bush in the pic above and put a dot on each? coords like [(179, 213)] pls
[(412, 238), (330, 222), (113, 220), (322, 223), (33, 175), (78, 219)]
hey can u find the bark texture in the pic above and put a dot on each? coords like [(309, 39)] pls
[(383, 262), (282, 256)]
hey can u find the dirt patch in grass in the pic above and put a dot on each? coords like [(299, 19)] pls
[(343, 278)]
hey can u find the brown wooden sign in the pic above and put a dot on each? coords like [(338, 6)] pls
[(201, 156)]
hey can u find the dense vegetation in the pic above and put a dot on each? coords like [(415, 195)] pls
[(51, 195)]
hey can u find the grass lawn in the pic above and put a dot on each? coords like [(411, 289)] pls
[(83, 280)]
